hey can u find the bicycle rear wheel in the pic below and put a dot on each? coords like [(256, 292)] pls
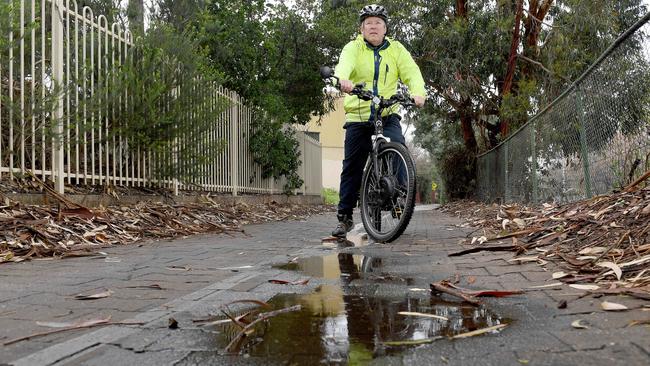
[(387, 201)]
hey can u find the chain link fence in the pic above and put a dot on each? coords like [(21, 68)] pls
[(594, 138)]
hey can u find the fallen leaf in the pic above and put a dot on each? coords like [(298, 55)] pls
[(646, 210), (84, 323), (638, 292), (60, 330), (578, 324), (231, 268), (639, 322), (154, 286), (578, 286), (523, 362), (484, 293), (586, 257), (96, 296), (471, 279), (172, 323), (79, 212), (494, 293), (410, 342), (520, 223), (560, 274), (636, 261), (283, 282), (179, 268), (611, 265), (524, 259), (479, 331), (410, 313), (592, 250), (258, 302), (612, 306), (555, 284)]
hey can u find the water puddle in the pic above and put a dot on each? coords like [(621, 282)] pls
[(335, 326)]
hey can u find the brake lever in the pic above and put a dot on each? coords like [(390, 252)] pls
[(362, 94)]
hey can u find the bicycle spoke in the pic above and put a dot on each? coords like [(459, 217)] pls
[(386, 190)]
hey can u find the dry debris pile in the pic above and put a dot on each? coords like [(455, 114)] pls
[(37, 231), (603, 240)]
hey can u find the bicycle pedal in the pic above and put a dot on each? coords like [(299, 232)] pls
[(397, 213)]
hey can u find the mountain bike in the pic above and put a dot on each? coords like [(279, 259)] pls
[(387, 197)]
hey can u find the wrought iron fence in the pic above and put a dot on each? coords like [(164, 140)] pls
[(592, 139), (57, 66)]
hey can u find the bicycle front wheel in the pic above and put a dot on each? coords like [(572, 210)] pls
[(388, 200)]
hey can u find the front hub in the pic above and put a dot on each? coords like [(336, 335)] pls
[(387, 190)]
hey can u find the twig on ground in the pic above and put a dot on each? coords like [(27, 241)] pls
[(443, 287), (260, 318)]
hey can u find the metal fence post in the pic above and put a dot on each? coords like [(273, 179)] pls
[(304, 163), (506, 188), (57, 77), (583, 142), (533, 152), (234, 144)]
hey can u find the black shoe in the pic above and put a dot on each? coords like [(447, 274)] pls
[(344, 226)]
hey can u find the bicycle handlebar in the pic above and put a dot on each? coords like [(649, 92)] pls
[(365, 94)]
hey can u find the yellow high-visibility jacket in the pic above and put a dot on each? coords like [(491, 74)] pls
[(380, 68)]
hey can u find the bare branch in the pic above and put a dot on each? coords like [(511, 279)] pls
[(542, 67), (539, 20)]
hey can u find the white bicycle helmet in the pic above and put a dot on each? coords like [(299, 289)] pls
[(373, 10)]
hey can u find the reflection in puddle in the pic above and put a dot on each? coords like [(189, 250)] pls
[(335, 266), (352, 240), (334, 326)]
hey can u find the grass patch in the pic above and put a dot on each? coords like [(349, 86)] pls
[(330, 196)]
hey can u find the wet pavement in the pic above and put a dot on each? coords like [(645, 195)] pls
[(360, 303)]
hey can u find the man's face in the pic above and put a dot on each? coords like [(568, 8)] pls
[(373, 30)]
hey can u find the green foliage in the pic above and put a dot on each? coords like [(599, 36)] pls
[(170, 105), (330, 196), (181, 15), (276, 149), (449, 168), (270, 55), (458, 168), (464, 62), (516, 107)]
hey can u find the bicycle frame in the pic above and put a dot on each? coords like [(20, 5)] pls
[(377, 139)]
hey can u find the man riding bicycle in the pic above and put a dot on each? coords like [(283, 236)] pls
[(379, 62)]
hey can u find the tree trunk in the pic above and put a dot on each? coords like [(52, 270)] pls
[(512, 62), (461, 8), (465, 107), (532, 30), (468, 132)]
